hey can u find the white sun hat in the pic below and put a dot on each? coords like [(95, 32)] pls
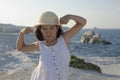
[(48, 18)]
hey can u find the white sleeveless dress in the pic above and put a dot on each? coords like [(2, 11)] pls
[(53, 62)]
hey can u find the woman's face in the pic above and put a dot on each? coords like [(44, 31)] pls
[(49, 32)]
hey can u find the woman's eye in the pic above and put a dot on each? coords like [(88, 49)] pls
[(44, 29), (51, 28)]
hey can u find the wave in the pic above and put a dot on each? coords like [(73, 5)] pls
[(14, 61), (103, 60)]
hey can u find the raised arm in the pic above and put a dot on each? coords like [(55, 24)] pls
[(79, 24), (20, 44)]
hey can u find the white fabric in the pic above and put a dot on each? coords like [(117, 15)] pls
[(49, 57)]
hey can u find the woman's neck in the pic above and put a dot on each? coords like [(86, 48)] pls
[(51, 43)]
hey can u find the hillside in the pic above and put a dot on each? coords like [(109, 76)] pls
[(9, 28)]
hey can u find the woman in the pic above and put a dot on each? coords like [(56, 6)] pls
[(53, 45)]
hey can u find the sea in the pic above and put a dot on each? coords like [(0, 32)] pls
[(99, 54), (109, 52)]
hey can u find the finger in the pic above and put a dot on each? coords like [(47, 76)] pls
[(62, 22)]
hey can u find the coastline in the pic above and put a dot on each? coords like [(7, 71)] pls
[(23, 70)]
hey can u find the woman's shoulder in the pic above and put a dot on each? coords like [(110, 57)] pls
[(65, 39)]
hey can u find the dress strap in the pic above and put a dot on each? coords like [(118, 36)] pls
[(41, 45)]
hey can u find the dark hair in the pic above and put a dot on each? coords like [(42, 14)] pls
[(39, 35)]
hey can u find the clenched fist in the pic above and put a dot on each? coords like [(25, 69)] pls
[(26, 30)]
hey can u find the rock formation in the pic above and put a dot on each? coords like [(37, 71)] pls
[(93, 38)]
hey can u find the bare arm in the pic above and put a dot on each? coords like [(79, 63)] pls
[(79, 24), (20, 44)]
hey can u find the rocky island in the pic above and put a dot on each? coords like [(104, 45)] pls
[(93, 38)]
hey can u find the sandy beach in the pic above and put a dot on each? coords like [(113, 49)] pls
[(112, 69), (76, 74)]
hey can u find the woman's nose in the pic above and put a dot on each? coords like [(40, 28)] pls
[(48, 32)]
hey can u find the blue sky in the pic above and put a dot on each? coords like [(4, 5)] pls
[(99, 13)]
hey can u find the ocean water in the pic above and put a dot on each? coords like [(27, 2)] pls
[(101, 54), (98, 53)]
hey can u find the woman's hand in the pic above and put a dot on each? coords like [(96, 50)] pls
[(26, 30), (65, 19)]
